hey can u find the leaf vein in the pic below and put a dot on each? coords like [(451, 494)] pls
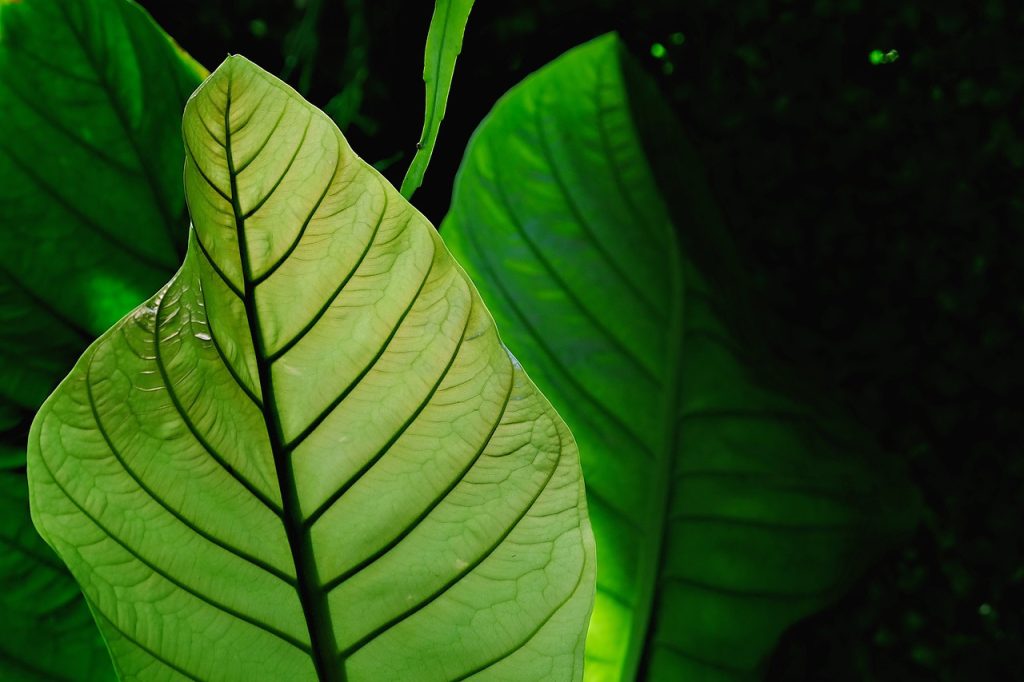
[(530, 635), (231, 368), (326, 412), (216, 268), (119, 456), (199, 169), (134, 640), (49, 307), (629, 354), (340, 492), (54, 122), (585, 226), (434, 504), (276, 355), (266, 140), (744, 593), (180, 409), (541, 341), (88, 222), (459, 575), (255, 622), (713, 519), (305, 223), (148, 175), (277, 183)]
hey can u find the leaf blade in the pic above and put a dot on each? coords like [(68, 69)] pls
[(709, 482), (397, 471)]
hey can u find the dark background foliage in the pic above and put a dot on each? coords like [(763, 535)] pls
[(878, 206)]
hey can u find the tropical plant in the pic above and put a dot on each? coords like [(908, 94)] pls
[(726, 501), (311, 441), (309, 455)]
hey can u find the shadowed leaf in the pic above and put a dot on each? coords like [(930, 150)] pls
[(92, 220), (726, 504)]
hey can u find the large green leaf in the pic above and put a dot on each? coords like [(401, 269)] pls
[(309, 456), (91, 221), (724, 506), (444, 43)]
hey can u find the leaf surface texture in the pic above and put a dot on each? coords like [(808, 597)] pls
[(309, 457)]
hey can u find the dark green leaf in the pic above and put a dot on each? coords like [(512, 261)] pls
[(90, 178), (91, 220), (46, 632), (726, 504)]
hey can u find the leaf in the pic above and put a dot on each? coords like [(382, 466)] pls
[(92, 221), (90, 178), (309, 456), (725, 505), (444, 43)]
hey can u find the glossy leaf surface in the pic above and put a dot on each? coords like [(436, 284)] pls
[(725, 507), (309, 457), (444, 43), (91, 221)]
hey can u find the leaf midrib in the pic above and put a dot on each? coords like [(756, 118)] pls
[(312, 598)]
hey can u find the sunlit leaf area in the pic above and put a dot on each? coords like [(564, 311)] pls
[(348, 341)]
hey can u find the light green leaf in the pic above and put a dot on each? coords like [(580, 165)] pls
[(444, 43), (725, 505), (309, 457), (91, 221)]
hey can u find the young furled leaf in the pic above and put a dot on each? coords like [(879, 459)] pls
[(309, 456)]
